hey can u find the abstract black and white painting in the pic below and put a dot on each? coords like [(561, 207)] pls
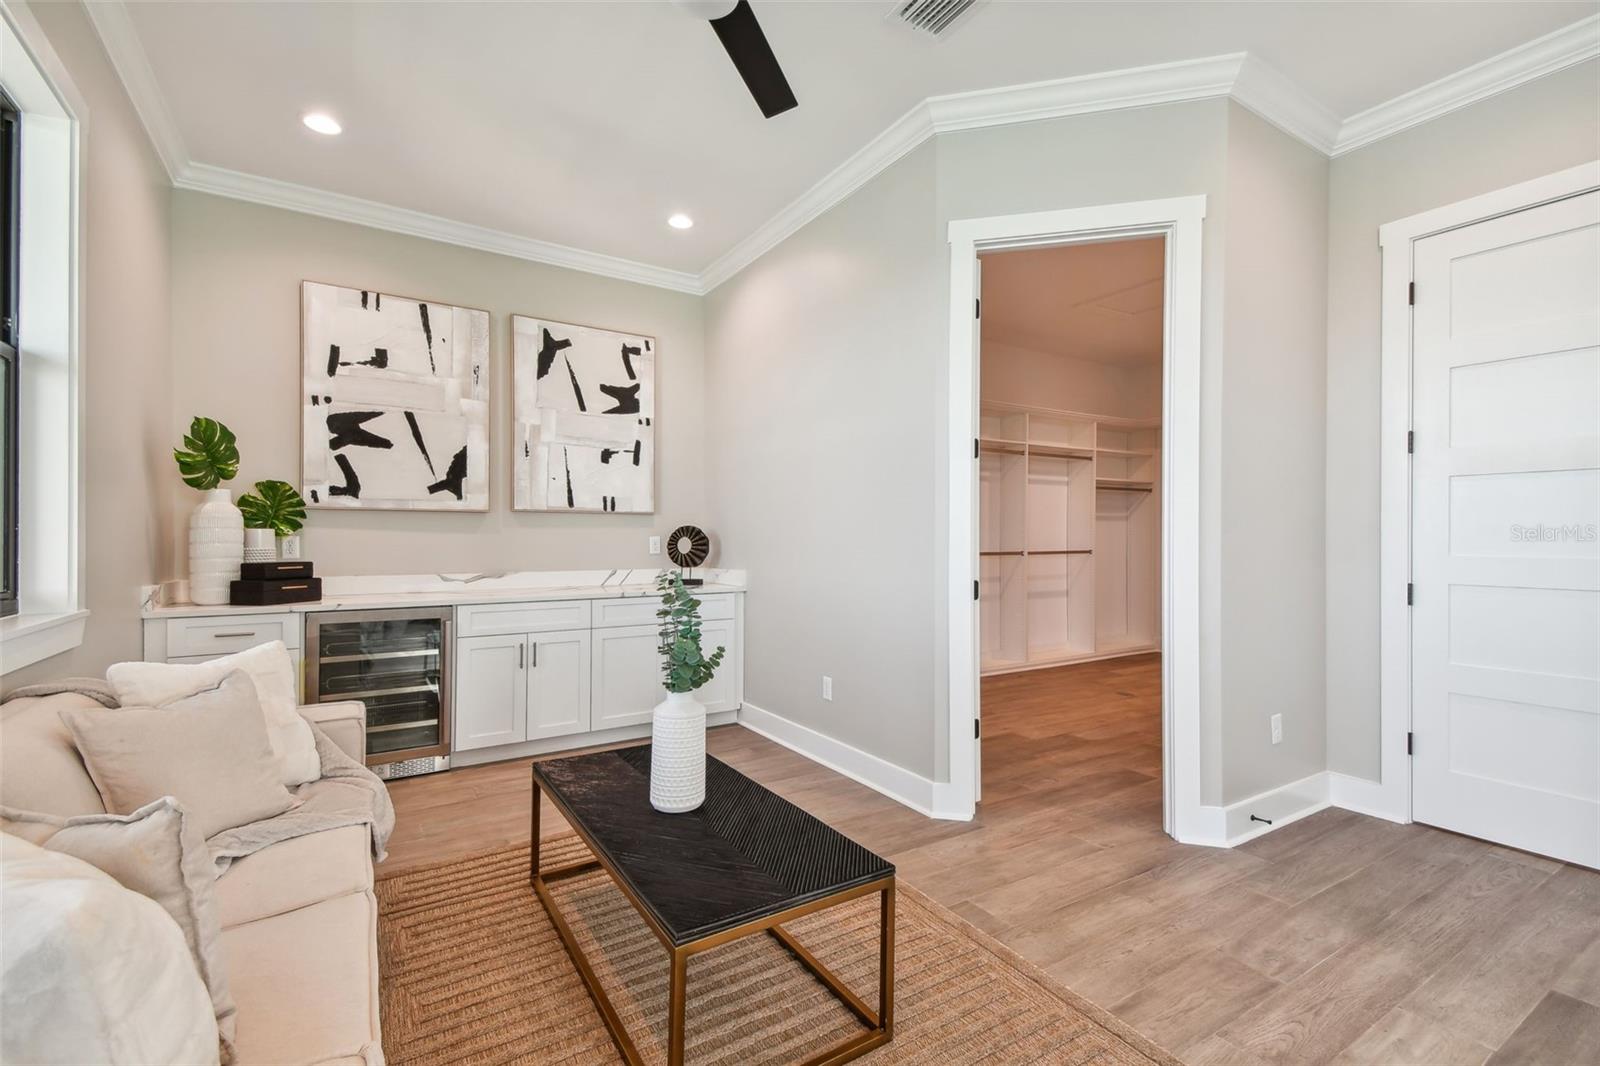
[(584, 408), (395, 402)]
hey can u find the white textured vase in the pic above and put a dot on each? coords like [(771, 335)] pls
[(678, 754), (260, 546), (216, 547)]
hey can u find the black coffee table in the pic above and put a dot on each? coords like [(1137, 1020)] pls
[(746, 862)]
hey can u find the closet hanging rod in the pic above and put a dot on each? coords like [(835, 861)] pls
[(1063, 551), (1000, 553)]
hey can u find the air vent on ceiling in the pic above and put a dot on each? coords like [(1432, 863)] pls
[(933, 16)]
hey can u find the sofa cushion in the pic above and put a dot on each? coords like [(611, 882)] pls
[(91, 971), (40, 769), (156, 851), (307, 982), (209, 750), (295, 873)]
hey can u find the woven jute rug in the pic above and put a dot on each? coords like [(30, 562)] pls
[(474, 972)]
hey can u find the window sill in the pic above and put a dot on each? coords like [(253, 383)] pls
[(29, 638)]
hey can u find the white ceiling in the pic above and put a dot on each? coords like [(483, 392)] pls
[(587, 124), (1100, 302)]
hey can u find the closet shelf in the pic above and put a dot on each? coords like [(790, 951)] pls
[(1060, 451), (1116, 484), (1135, 452), (994, 444)]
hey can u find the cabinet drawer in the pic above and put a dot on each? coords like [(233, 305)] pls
[(487, 619), (212, 636), (640, 611)]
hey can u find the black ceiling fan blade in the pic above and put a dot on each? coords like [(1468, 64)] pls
[(747, 46)]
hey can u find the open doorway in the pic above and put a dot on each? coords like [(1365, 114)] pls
[(1069, 531)]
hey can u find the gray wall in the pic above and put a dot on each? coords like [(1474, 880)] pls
[(123, 354), (1273, 381), (823, 367), (236, 276), (1539, 128)]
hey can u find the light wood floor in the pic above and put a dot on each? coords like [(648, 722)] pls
[(1338, 938)]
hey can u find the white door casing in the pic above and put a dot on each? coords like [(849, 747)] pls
[(1505, 634)]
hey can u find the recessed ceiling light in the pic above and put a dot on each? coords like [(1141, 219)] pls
[(322, 122), (680, 221)]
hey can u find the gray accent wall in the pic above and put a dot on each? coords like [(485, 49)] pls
[(1537, 129)]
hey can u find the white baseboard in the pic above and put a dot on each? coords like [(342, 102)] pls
[(1371, 798), (920, 793)]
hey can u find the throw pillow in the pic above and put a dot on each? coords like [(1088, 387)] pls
[(208, 751), (272, 670), (156, 851), (91, 972)]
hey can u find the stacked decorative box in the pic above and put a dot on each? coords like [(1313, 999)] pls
[(261, 584)]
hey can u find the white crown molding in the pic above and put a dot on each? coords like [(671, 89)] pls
[(115, 26), (303, 198), (1246, 79), (1544, 55)]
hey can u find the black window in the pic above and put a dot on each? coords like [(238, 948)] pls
[(10, 370)]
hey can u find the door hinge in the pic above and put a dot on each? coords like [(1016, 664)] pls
[(1411, 594), (977, 728), (974, 590), (974, 447), (1411, 441), (1411, 293), (1411, 745), (977, 308)]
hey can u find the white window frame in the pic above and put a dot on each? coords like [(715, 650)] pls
[(1180, 221), (1390, 796), (53, 612)]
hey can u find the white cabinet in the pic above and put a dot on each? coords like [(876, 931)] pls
[(491, 705), (627, 676), (722, 692), (521, 687), (558, 684)]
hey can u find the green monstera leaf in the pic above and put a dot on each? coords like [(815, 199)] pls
[(209, 456), (275, 505)]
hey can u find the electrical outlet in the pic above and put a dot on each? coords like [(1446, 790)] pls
[(827, 687), (1277, 729), (655, 545)]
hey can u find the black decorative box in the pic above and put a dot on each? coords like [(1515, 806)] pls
[(274, 571), (262, 593)]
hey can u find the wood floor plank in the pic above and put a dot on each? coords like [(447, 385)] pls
[(1068, 848), (1560, 1029)]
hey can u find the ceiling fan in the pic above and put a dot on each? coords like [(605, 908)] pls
[(736, 27)]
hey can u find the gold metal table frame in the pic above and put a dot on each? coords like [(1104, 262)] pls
[(880, 1022)]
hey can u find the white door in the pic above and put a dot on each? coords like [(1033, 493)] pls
[(558, 684), (626, 676), (491, 691), (721, 693), (1505, 561)]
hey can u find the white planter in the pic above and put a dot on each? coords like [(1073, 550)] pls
[(216, 547), (678, 754), (260, 546), (289, 547)]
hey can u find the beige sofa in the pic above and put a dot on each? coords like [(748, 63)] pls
[(299, 918)]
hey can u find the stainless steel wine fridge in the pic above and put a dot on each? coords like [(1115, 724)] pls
[(397, 663)]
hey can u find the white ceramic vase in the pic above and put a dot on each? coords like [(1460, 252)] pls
[(260, 546), (678, 754), (216, 547)]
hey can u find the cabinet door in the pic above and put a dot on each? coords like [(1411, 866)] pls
[(627, 676), (491, 692), (558, 683), (721, 693)]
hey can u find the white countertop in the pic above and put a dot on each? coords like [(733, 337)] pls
[(431, 590)]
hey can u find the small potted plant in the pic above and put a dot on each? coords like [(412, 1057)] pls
[(209, 457), (678, 727), (275, 510)]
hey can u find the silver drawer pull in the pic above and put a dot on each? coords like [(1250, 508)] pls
[(224, 636)]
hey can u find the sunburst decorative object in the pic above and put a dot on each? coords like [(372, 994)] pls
[(688, 547)]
